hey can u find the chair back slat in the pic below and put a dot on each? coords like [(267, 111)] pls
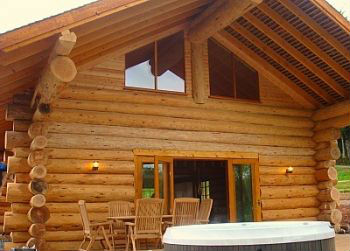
[(204, 210), (148, 217), (84, 217), (185, 211), (119, 208)]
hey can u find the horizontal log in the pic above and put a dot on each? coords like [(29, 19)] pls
[(287, 180), (326, 184), (190, 113), (35, 230), (322, 145), (331, 194), (36, 158), (57, 222), (328, 205), (336, 110), (23, 208), (38, 215), (20, 165), (217, 137), (330, 153), (289, 213), (325, 164), (50, 236), (17, 192), (164, 99), (290, 203), (276, 170), (92, 179), (113, 142), (16, 139), (57, 153), (18, 112), (303, 219), (37, 129), (326, 135), (336, 122), (278, 160), (121, 143), (38, 143), (37, 172), (326, 174), (38, 200), (275, 192), (163, 122), (334, 216), (38, 186), (21, 125)]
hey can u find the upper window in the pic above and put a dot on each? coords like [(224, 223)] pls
[(157, 66), (229, 76)]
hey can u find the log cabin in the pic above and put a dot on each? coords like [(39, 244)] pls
[(241, 101)]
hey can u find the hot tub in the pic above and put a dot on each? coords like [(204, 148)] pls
[(252, 236)]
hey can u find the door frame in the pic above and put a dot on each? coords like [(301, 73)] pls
[(155, 156)]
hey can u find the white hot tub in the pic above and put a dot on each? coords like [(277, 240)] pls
[(260, 234)]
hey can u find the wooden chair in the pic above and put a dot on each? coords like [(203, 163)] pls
[(204, 211), (185, 212), (119, 208), (148, 221), (95, 231)]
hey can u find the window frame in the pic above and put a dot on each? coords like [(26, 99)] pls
[(233, 80), (131, 88)]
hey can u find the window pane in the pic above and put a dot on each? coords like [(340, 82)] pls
[(247, 81), (244, 196), (220, 70), (171, 67), (148, 180), (139, 68)]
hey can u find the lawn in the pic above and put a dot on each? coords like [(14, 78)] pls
[(343, 178)]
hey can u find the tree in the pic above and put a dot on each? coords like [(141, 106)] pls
[(345, 136)]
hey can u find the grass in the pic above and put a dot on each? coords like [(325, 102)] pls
[(343, 178)]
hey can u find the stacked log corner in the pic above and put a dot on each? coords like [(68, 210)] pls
[(38, 213), (327, 152), (21, 115)]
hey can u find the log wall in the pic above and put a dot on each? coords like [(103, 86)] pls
[(96, 120)]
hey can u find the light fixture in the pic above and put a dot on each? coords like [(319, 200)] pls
[(289, 170), (95, 165)]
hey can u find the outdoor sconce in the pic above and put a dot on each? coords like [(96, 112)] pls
[(289, 170), (95, 165)]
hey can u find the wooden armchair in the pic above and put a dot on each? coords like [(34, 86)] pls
[(204, 211), (95, 231), (119, 208), (148, 221), (185, 212)]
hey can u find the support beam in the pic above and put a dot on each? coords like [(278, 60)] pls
[(304, 40), (333, 111), (316, 27), (281, 61), (265, 69), (217, 17), (264, 28), (198, 80), (60, 69)]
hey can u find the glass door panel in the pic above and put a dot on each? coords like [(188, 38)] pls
[(148, 188), (244, 193)]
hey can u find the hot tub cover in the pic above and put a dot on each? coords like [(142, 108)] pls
[(251, 233)]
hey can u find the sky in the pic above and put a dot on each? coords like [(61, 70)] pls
[(16, 13)]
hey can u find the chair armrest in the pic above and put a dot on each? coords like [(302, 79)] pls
[(170, 223), (130, 224)]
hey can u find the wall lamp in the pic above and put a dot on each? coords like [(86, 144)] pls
[(289, 170), (95, 165)]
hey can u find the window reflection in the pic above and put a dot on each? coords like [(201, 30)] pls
[(157, 66), (138, 68), (148, 180)]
